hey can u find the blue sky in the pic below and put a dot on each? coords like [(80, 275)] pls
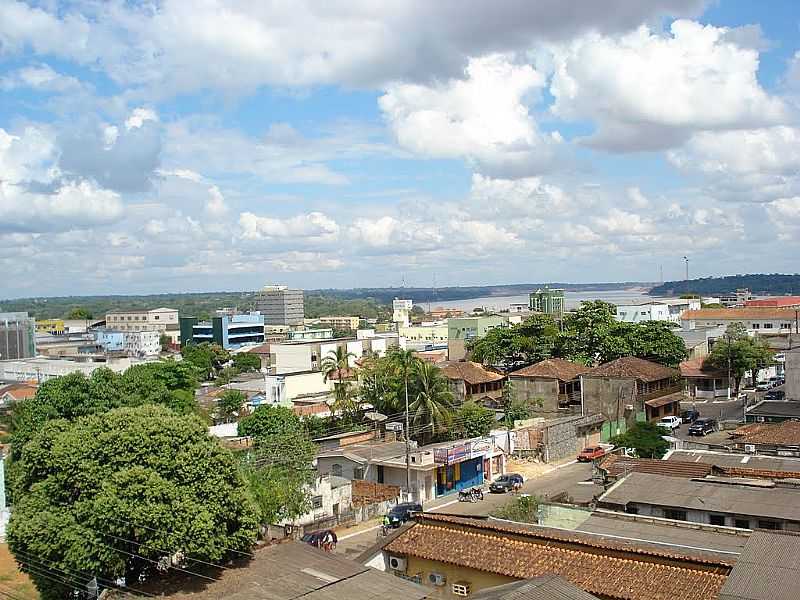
[(219, 145)]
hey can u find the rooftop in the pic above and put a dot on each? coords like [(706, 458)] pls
[(728, 496), (777, 302), (545, 587), (694, 368), (773, 434), (19, 391), (631, 367), (734, 314), (471, 372), (362, 453), (552, 368), (776, 409), (728, 460), (611, 568), (767, 569), (619, 466)]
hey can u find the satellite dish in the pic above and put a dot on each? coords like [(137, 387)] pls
[(375, 416)]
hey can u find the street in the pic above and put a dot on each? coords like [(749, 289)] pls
[(572, 478)]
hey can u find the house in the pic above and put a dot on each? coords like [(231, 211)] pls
[(629, 386), (466, 556), (544, 587), (554, 382), (699, 341), (331, 497), (657, 310), (746, 503), (779, 439), (702, 382), (755, 320), (766, 569), (768, 411), (16, 392), (471, 381), (285, 570)]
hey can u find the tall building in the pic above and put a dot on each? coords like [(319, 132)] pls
[(280, 305), (548, 301), (401, 312), (156, 319), (17, 336), (229, 332)]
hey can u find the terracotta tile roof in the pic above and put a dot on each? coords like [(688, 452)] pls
[(631, 367), (756, 473), (471, 372), (777, 302), (733, 314), (552, 368), (610, 569), (617, 466), (261, 349), (665, 400), (694, 368), (20, 391), (774, 434)]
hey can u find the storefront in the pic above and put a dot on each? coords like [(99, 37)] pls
[(461, 465)]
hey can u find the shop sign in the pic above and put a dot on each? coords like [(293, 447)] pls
[(480, 447), (452, 455)]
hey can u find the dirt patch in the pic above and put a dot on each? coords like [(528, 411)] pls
[(12, 580), (530, 469)]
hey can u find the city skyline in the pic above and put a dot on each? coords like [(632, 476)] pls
[(222, 146)]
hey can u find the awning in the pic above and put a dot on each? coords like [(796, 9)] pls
[(663, 401)]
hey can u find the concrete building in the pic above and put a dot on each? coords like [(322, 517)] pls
[(41, 369), (341, 323), (51, 326), (723, 501), (663, 310), (110, 340), (460, 331), (401, 312), (703, 383), (426, 336), (285, 389), (699, 341), (142, 343), (792, 373), (552, 387), (548, 301), (330, 497), (739, 298), (156, 319), (471, 382), (229, 332), (280, 305), (755, 320), (17, 336), (298, 335)]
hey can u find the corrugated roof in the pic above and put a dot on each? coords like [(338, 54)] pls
[(777, 408), (731, 497), (726, 459), (665, 400), (546, 587), (552, 368), (631, 367), (471, 372), (776, 302), (618, 466), (599, 566), (767, 569)]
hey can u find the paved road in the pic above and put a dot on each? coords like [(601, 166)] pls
[(572, 478)]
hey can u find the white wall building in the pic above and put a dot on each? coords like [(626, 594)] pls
[(157, 319), (142, 343), (755, 320), (41, 369), (662, 310), (401, 312), (330, 496)]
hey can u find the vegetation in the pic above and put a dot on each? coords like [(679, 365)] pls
[(472, 420), (772, 284), (164, 342), (325, 305), (644, 437), (114, 495), (208, 358), (230, 403), (524, 509), (742, 352), (245, 362), (589, 335), (79, 313), (431, 410)]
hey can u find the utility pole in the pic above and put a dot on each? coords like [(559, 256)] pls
[(728, 338), (408, 447), (686, 258)]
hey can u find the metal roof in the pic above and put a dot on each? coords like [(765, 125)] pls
[(767, 569), (722, 459), (546, 587), (777, 409)]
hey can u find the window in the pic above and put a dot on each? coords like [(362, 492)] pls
[(742, 523), (155, 317), (768, 524), (632, 510), (717, 520), (358, 473), (461, 589), (756, 326), (336, 469), (316, 501), (676, 515), (767, 325)]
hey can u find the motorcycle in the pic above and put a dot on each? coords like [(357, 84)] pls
[(477, 493), (466, 496)]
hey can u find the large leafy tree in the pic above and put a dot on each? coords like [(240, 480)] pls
[(246, 362), (230, 403), (472, 420), (644, 437), (267, 422), (109, 495), (741, 352), (587, 335), (656, 341), (208, 358), (431, 411), (533, 340)]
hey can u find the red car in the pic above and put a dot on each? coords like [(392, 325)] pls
[(589, 453)]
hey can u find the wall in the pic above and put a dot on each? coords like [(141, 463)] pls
[(529, 389), (701, 516), (608, 396), (291, 358), (437, 334), (478, 580), (334, 500), (792, 372), (305, 384)]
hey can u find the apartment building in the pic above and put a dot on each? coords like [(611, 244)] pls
[(341, 323), (666, 310), (17, 335), (461, 331), (142, 343), (280, 305), (755, 320), (230, 332), (156, 319)]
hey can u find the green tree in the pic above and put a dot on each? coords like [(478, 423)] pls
[(644, 437), (208, 358), (524, 509), (345, 401), (266, 422), (656, 341), (742, 353), (381, 387), (165, 342), (431, 412), (79, 313), (473, 420), (515, 408), (110, 494), (533, 340), (246, 362), (230, 403)]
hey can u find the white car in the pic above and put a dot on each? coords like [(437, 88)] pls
[(670, 423)]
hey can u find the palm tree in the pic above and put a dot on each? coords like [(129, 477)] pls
[(433, 407), (336, 362)]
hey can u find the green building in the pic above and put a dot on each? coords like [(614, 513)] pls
[(547, 301), (461, 330)]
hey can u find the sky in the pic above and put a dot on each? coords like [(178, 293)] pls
[(202, 145)]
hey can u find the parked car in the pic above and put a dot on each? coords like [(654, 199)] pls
[(505, 483), (775, 395), (702, 426), (589, 453), (401, 513), (763, 386), (690, 416), (670, 423), (774, 381)]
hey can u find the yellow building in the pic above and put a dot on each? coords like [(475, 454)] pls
[(341, 323), (51, 326), (430, 334)]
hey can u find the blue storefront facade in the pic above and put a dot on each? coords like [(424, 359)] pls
[(461, 466)]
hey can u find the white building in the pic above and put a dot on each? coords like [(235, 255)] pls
[(661, 310), (755, 320), (401, 312), (156, 319), (41, 369), (142, 343), (330, 496)]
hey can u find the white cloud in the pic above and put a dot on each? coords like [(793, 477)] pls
[(216, 206), (305, 262), (314, 225), (40, 78), (483, 117), (138, 117), (513, 198), (637, 198), (646, 91)]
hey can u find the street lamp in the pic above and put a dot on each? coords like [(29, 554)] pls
[(686, 258)]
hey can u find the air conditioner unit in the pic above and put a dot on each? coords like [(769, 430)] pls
[(750, 448), (394, 427), (759, 419), (397, 563), (461, 588), (437, 579)]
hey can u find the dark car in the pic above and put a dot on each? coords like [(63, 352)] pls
[(505, 483), (402, 513), (775, 395), (689, 416), (702, 426)]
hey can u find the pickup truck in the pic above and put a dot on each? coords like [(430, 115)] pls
[(670, 423)]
